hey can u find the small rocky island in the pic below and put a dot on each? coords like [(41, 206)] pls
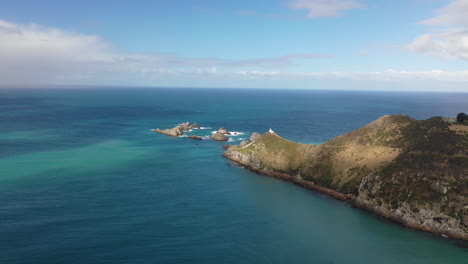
[(220, 135), (414, 172), (178, 131)]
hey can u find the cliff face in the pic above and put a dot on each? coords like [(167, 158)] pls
[(415, 172)]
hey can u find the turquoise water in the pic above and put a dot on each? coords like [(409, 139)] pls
[(84, 180)]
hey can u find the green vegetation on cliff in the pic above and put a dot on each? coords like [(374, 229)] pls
[(462, 118)]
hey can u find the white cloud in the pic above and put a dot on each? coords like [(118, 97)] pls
[(38, 54), (388, 75), (324, 8), (455, 13), (37, 42), (450, 42), (34, 54), (445, 45), (258, 74)]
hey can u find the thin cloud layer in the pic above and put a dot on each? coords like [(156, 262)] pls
[(324, 8), (36, 53), (455, 13), (388, 75)]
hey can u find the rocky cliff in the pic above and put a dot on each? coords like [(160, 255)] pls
[(414, 172)]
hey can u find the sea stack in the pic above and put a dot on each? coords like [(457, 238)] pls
[(185, 126), (224, 131), (219, 137), (195, 126)]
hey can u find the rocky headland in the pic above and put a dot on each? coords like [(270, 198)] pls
[(414, 172)]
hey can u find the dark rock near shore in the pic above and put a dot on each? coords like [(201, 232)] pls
[(195, 137)]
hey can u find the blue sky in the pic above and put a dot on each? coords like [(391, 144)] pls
[(308, 44)]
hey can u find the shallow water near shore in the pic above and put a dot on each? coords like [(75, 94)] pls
[(83, 179)]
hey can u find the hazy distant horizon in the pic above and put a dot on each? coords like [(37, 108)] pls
[(110, 87), (300, 44)]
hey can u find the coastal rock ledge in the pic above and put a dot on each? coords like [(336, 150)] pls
[(414, 172)]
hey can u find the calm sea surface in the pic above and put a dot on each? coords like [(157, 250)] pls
[(84, 180)]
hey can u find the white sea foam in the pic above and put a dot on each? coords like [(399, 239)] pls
[(235, 133), (206, 128), (230, 140)]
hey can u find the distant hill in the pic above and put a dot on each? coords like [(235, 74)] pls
[(415, 172)]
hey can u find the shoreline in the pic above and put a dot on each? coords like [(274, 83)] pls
[(351, 200), (299, 182)]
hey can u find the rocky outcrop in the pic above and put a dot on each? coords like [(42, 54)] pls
[(414, 172), (255, 136), (219, 137), (185, 126), (224, 131), (178, 130), (173, 132), (195, 126), (195, 137)]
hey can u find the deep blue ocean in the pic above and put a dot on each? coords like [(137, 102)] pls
[(83, 179)]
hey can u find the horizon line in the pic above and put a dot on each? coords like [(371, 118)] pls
[(86, 86)]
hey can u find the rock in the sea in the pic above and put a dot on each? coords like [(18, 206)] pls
[(185, 126), (173, 132), (224, 131), (255, 136), (219, 137), (227, 146), (195, 137), (195, 126)]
